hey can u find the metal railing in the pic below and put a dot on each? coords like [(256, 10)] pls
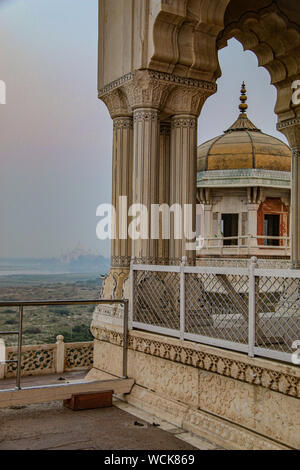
[(255, 311), (45, 303), (245, 243)]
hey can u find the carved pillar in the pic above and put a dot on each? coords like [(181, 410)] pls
[(207, 226), (184, 105), (252, 224), (164, 188), (146, 93), (121, 189), (145, 178), (291, 129), (295, 208), (183, 185), (121, 193)]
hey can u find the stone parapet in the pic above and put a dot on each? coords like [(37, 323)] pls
[(248, 403), (48, 358)]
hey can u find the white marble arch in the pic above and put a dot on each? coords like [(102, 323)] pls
[(178, 40)]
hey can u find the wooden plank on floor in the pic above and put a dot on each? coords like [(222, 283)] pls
[(49, 393)]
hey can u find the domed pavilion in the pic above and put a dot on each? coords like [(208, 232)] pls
[(244, 192)]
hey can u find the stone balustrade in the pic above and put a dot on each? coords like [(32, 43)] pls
[(45, 359)]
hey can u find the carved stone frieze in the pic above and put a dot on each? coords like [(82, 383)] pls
[(184, 121), (123, 123), (142, 115), (248, 371), (222, 432), (115, 84), (120, 261)]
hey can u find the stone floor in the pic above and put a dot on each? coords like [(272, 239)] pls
[(50, 426)]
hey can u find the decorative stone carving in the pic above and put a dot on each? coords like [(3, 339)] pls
[(36, 360), (170, 94), (113, 287), (115, 84), (120, 261), (279, 378), (144, 115), (123, 123), (291, 129), (184, 121), (42, 359), (146, 91), (183, 100), (274, 38), (79, 355), (184, 36), (116, 103), (168, 383)]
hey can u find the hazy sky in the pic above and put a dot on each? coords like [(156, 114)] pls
[(55, 148)]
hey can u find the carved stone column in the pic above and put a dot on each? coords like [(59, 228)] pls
[(291, 129), (121, 201), (252, 225), (183, 187), (207, 227), (145, 178), (164, 188), (146, 94), (295, 208), (121, 193)]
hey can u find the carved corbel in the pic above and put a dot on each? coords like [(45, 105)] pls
[(186, 100), (117, 103), (146, 90), (291, 129)]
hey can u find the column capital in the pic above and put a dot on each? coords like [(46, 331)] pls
[(169, 93), (117, 103), (123, 122), (291, 129), (146, 90), (184, 120), (187, 101), (145, 114)]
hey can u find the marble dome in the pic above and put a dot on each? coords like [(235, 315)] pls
[(244, 146)]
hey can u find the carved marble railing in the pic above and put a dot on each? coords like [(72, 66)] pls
[(46, 358)]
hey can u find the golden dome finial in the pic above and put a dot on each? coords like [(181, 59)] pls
[(243, 106)]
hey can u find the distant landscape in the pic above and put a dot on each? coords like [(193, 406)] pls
[(77, 275), (76, 261)]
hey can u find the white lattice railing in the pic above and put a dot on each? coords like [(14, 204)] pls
[(46, 358), (251, 310), (250, 245)]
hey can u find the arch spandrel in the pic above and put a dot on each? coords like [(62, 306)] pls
[(270, 31), (182, 38)]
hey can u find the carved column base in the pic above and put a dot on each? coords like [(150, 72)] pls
[(116, 286)]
